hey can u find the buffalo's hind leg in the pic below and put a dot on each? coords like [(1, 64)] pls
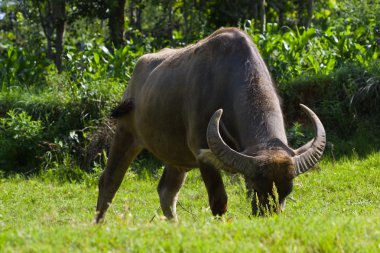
[(215, 188), (168, 188), (124, 150)]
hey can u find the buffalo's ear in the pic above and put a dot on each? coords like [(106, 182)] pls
[(122, 109)]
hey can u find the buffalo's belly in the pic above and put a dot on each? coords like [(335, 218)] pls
[(168, 147)]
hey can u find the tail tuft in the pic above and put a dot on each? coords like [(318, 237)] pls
[(122, 109)]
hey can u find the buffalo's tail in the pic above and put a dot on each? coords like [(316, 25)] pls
[(122, 109)]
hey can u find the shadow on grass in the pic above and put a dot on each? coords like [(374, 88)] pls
[(364, 142)]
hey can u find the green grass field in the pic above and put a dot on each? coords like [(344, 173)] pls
[(333, 209)]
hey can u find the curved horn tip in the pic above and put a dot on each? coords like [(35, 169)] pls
[(217, 114), (305, 108), (219, 111)]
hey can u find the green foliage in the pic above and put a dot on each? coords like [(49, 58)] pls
[(146, 166), (366, 99), (22, 68), (296, 52), (20, 140), (358, 13), (95, 62), (65, 169), (296, 137), (366, 140), (66, 112), (332, 96)]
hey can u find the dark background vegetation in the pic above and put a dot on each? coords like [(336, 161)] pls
[(65, 63)]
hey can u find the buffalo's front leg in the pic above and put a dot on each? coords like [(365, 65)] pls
[(168, 188), (215, 188), (123, 151)]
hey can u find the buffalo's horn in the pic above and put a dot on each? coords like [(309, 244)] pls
[(310, 153), (240, 162)]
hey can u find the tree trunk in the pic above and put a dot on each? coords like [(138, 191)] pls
[(49, 48), (185, 19), (262, 15), (138, 16), (135, 12), (116, 22), (279, 7), (281, 14), (202, 5), (170, 20), (131, 14), (59, 15), (255, 7), (46, 20), (301, 16), (52, 16), (309, 13)]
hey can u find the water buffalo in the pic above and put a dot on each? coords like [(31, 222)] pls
[(210, 105)]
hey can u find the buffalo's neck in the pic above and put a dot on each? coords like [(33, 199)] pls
[(262, 129), (262, 117)]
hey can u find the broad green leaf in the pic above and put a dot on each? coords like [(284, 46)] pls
[(96, 58)]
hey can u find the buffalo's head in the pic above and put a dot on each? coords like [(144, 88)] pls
[(270, 168)]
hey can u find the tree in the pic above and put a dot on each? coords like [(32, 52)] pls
[(135, 12), (52, 15), (255, 7), (262, 15), (305, 12), (59, 14), (116, 22), (309, 13), (280, 8), (113, 10)]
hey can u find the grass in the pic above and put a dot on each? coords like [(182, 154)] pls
[(334, 209)]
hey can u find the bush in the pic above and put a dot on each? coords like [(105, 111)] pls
[(20, 67), (20, 141), (335, 98), (66, 112)]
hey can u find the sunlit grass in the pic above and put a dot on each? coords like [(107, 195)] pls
[(334, 209)]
